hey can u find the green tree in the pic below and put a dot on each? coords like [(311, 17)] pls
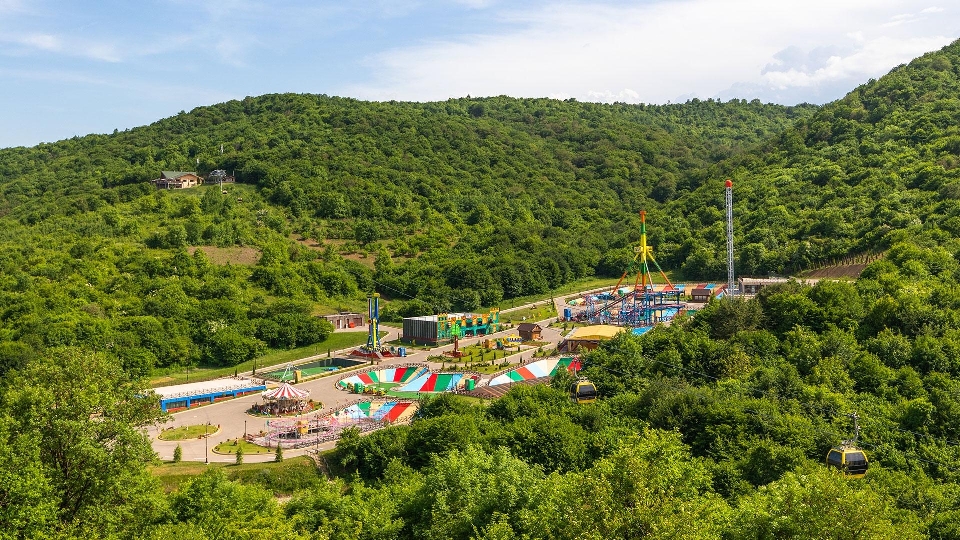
[(465, 490), (649, 488), (726, 317), (815, 502), (219, 508), (28, 501), (177, 453), (84, 418), (337, 509)]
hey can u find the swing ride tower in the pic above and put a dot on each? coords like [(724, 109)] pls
[(646, 303)]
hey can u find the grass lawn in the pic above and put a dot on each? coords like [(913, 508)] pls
[(569, 288), (409, 346), (407, 395), (486, 369), (231, 446), (474, 354), (542, 311), (569, 325), (187, 432), (336, 341), (282, 478)]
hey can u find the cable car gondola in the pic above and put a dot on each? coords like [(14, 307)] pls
[(848, 458), (583, 392)]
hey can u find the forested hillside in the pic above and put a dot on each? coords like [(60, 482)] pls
[(442, 206), (863, 173), (714, 427)]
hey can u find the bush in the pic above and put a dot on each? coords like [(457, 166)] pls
[(240, 455), (177, 454)]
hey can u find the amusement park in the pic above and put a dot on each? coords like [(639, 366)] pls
[(306, 407)]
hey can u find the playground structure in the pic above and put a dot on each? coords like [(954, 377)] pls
[(642, 305), (502, 343), (373, 350), (467, 324), (457, 332), (449, 327), (310, 431)]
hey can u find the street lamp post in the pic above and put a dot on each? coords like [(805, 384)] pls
[(206, 435), (244, 429)]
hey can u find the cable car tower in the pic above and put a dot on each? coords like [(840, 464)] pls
[(729, 201)]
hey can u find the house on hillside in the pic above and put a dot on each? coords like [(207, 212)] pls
[(529, 331), (753, 285), (703, 293), (345, 320), (177, 180)]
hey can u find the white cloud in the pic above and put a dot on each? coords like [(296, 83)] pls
[(658, 51), (877, 56), (10, 6), (44, 42), (476, 4), (94, 50), (53, 76)]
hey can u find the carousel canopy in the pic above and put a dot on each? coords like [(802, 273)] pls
[(286, 391)]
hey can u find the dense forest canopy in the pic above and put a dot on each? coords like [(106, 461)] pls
[(714, 427), (443, 206)]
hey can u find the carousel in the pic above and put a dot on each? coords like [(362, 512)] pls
[(285, 399)]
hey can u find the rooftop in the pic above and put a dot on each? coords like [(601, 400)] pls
[(597, 332)]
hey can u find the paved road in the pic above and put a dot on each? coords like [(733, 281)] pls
[(233, 420)]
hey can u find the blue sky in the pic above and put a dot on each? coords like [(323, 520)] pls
[(76, 67)]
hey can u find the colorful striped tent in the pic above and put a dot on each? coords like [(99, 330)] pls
[(388, 411), (386, 375), (432, 382), (534, 370), (286, 392)]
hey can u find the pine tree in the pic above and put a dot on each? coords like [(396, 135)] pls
[(278, 457), (240, 455), (177, 454)]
